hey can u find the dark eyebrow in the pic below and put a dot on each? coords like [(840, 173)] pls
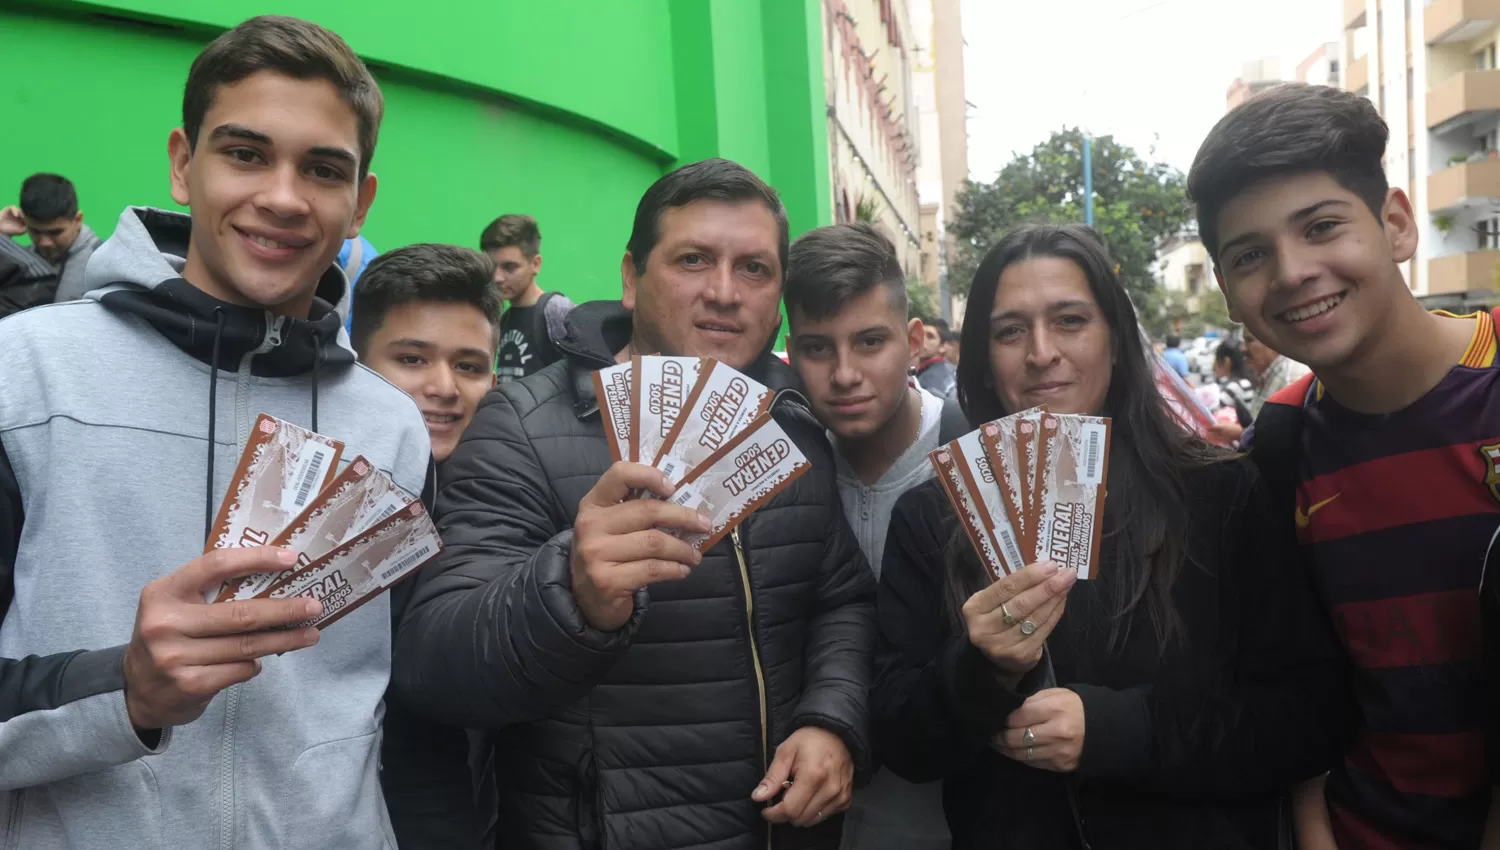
[(1298, 216), (239, 131), (409, 342), (424, 345), (475, 354), (1068, 304)]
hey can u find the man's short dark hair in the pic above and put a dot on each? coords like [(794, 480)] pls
[(48, 197), (1290, 129), (291, 47), (429, 272), (831, 266), (709, 180), (512, 230), (1173, 341), (937, 322)]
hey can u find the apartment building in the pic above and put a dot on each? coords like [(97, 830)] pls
[(1430, 68)]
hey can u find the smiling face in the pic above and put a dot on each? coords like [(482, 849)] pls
[(1310, 269), (853, 363), (442, 355), (1049, 342), (712, 284), (274, 190)]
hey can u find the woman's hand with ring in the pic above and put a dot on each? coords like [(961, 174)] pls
[(1009, 621), (1046, 731)]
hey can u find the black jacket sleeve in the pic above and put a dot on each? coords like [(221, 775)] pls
[(493, 635), (840, 645), (937, 700), (1287, 710)]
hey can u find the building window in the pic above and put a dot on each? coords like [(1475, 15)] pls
[(1194, 274), (1488, 142), (1484, 57), (1489, 233)]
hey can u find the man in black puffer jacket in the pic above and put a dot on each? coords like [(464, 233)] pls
[(639, 698)]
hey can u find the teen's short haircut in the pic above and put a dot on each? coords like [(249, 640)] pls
[(1290, 129), (48, 197), (428, 272), (831, 266), (291, 47), (709, 180), (512, 230), (937, 322)]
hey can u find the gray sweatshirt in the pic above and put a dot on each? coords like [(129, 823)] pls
[(891, 813), (104, 431)]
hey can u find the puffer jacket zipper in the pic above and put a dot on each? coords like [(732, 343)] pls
[(760, 676)]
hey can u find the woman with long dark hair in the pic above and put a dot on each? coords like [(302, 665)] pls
[(1184, 689)]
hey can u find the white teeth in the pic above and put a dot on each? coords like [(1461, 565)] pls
[(269, 243), (1302, 314), (443, 419)]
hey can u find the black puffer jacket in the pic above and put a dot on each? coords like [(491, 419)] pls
[(653, 736)]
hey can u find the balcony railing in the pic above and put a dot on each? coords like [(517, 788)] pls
[(1449, 21), (1462, 272), (1462, 98)]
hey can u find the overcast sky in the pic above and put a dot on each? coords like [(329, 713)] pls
[(1133, 68)]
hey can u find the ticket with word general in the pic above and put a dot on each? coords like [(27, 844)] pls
[(356, 499), (968, 507), (723, 404), (742, 475), (360, 569), (660, 387), (612, 389), (1074, 470), (1002, 444)]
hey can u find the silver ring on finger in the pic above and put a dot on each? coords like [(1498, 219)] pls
[(1005, 615), (1028, 627), (1028, 738), (1030, 751), (820, 818)]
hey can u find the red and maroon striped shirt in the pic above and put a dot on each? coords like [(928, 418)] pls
[(1395, 513)]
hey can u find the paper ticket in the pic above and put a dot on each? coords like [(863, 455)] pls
[(660, 387), (612, 389), (984, 486), (1001, 439), (742, 475), (968, 507), (362, 568), (1072, 488), (358, 498), (280, 470), (723, 404)]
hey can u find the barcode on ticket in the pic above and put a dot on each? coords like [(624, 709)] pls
[(1093, 464), (406, 563), (309, 478)]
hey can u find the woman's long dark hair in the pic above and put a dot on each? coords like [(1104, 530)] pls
[(1151, 453), (1229, 351)]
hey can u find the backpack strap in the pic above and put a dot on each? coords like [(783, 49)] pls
[(1276, 440), (952, 424)]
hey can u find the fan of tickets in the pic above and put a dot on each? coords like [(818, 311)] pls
[(1030, 487), (356, 534), (707, 427)]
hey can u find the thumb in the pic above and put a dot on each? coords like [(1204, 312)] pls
[(781, 768)]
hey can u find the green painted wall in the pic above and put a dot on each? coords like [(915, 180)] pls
[(564, 110)]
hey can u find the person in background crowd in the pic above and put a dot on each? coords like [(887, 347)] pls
[(426, 319), (1274, 371), (1174, 356), (1186, 685), (1236, 389), (950, 349), (851, 343), (534, 319), (1386, 459), (642, 695), (61, 244), (136, 715), (934, 372)]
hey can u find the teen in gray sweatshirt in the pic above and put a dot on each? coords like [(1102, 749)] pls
[(852, 343), (133, 714)]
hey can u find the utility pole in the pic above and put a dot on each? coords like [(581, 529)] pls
[(1088, 179)]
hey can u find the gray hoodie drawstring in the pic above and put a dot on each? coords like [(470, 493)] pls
[(317, 364), (213, 419)]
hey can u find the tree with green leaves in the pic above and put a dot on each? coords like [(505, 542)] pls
[(1138, 205)]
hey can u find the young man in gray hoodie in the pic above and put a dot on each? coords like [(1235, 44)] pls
[(132, 714), (851, 343)]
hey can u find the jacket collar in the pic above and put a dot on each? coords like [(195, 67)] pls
[(598, 330)]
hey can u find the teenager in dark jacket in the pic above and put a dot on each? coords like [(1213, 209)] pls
[(642, 697), (1186, 687)]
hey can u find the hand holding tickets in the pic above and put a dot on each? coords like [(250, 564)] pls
[(353, 535), (696, 451), (1030, 488)]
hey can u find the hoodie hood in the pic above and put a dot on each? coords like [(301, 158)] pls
[(138, 271)]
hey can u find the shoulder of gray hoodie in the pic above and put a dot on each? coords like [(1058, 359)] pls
[(102, 490)]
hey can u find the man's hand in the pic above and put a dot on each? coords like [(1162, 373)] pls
[(814, 766), (1055, 718), (619, 547), (184, 650), (12, 223), (1224, 433)]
